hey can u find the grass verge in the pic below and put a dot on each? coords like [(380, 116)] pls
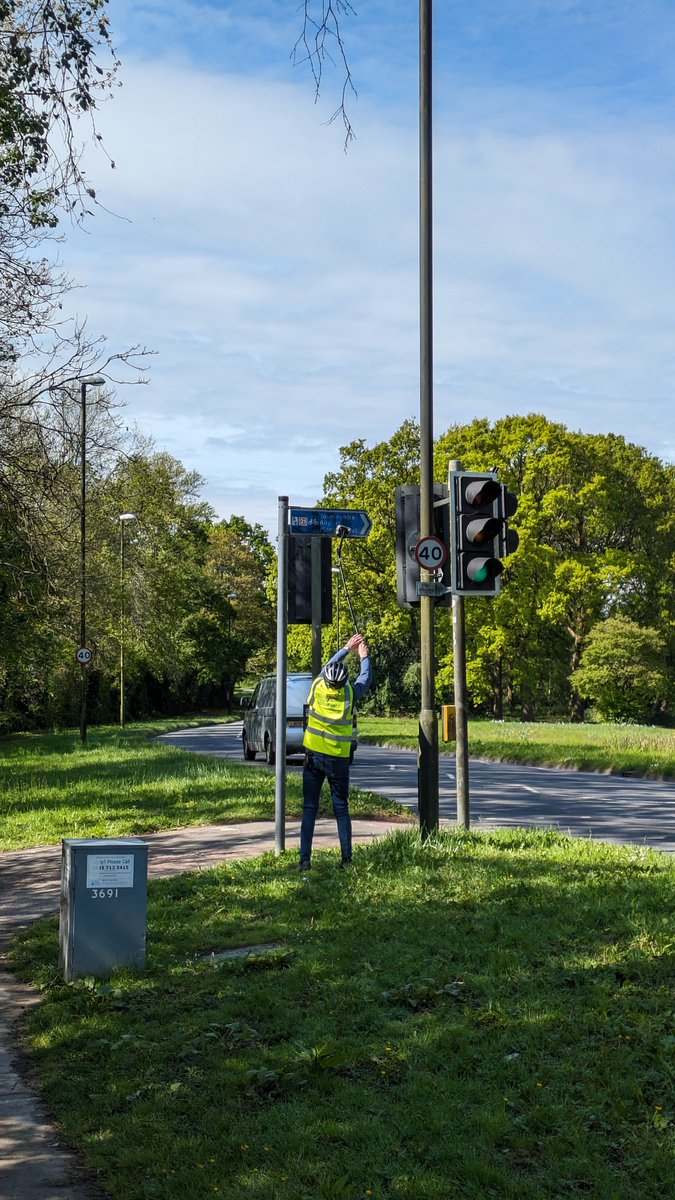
[(483, 1016), (643, 750), (121, 783)]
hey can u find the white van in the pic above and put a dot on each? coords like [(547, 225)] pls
[(259, 734)]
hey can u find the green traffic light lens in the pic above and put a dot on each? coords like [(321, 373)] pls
[(481, 575)]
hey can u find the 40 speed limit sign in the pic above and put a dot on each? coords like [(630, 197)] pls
[(430, 553)]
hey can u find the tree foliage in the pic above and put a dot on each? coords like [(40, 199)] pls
[(597, 540), (172, 603), (50, 77), (624, 671), (185, 642)]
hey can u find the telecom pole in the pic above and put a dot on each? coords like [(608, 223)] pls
[(428, 725)]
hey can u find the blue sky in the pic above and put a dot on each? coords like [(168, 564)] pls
[(276, 276)]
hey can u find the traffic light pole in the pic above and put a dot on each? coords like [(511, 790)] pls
[(428, 724), (461, 726), (459, 669)]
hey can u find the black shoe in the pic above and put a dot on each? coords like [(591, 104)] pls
[(305, 865), (346, 862)]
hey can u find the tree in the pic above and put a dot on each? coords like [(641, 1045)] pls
[(596, 538), (240, 559), (50, 77), (624, 671), (367, 479), (168, 592), (40, 506)]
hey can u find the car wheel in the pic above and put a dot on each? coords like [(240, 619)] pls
[(270, 753), (249, 754)]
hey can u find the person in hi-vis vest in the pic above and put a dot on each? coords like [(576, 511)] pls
[(328, 742)]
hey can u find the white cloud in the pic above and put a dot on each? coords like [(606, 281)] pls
[(277, 277)]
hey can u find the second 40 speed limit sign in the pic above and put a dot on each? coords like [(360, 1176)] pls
[(430, 553)]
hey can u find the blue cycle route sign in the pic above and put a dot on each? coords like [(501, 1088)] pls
[(325, 522)]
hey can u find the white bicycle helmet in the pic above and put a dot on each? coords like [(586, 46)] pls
[(336, 674)]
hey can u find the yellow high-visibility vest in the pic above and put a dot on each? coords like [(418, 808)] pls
[(330, 719)]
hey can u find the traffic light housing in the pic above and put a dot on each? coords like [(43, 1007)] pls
[(508, 538), (408, 572), (479, 511), (299, 594)]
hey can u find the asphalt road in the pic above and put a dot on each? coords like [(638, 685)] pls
[(607, 807)]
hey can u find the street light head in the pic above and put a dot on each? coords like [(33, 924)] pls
[(92, 380), (128, 517)]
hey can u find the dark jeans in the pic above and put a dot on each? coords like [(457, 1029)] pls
[(336, 770)]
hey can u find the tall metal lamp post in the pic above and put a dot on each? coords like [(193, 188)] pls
[(84, 656), (124, 517)]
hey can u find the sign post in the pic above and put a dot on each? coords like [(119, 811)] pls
[(282, 664)]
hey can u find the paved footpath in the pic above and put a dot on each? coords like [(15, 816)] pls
[(33, 1164)]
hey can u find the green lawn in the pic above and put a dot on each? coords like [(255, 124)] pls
[(644, 750), (485, 1017), (123, 783)]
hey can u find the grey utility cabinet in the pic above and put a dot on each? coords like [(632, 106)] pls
[(104, 902)]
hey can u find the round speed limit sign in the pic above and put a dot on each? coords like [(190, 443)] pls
[(83, 655), (430, 553)]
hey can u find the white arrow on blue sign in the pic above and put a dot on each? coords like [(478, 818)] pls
[(325, 522)]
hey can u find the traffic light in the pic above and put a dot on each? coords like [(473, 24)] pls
[(408, 534), (300, 580), (480, 508)]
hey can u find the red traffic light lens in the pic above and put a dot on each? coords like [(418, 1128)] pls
[(482, 491)]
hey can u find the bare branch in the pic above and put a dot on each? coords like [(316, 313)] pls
[(319, 37)]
